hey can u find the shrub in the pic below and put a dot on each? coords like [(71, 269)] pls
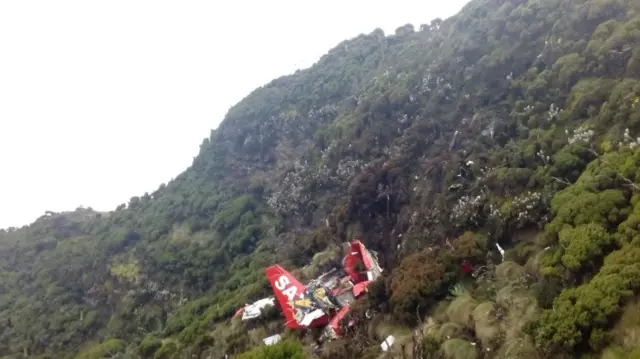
[(108, 348), (487, 324), (166, 351), (579, 314), (470, 245), (149, 346), (583, 246), (459, 349), (460, 311), (414, 283), (449, 330), (284, 349), (519, 348), (509, 271)]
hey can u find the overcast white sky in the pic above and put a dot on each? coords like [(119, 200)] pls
[(104, 100)]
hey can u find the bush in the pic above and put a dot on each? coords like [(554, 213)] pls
[(509, 271), (341, 349), (620, 353), (459, 349), (521, 252), (166, 351), (520, 306), (449, 330), (431, 349), (546, 290), (470, 245), (584, 245), (627, 330), (580, 313), (487, 324), (108, 348), (576, 206), (149, 346), (284, 349), (460, 311), (414, 283), (519, 348)]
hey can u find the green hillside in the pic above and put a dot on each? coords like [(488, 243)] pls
[(515, 122)]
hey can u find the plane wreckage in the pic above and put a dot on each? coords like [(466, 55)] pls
[(324, 301)]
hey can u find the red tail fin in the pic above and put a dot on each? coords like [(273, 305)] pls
[(287, 289), (359, 254)]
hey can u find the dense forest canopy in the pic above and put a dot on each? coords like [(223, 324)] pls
[(513, 122)]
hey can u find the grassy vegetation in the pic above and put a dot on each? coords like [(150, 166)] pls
[(512, 122)]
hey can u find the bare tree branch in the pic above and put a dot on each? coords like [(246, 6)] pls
[(449, 244), (562, 181), (630, 182)]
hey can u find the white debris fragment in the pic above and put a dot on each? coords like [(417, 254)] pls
[(252, 311), (388, 343), (500, 250), (311, 317), (272, 339)]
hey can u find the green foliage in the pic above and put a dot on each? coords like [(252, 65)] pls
[(547, 289), (629, 230), (569, 162), (579, 314), (460, 311), (620, 353), (149, 346), (469, 245), (106, 349), (459, 349), (489, 121), (508, 271), (430, 348), (284, 349), (166, 351), (450, 330), (458, 290), (575, 206), (487, 324), (583, 245), (416, 282)]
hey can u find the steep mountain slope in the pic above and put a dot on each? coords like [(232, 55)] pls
[(429, 145)]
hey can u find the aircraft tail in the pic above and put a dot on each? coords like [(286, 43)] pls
[(287, 290), (358, 254)]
